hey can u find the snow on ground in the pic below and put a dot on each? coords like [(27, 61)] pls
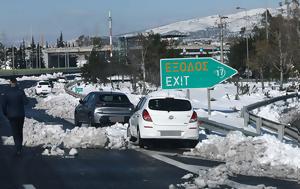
[(57, 104), (214, 178), (256, 156), (277, 111), (61, 105), (39, 78), (54, 136), (259, 156)]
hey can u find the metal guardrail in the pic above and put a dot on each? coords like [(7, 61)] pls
[(70, 92), (221, 128), (282, 130)]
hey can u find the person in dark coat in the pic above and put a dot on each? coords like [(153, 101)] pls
[(2, 109), (14, 103)]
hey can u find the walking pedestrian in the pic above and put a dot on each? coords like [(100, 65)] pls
[(14, 105)]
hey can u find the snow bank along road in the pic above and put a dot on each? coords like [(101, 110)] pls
[(98, 168)]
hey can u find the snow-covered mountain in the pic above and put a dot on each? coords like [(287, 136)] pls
[(208, 26)]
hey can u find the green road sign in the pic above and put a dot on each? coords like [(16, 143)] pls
[(78, 89), (182, 73)]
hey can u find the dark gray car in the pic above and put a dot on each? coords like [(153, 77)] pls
[(103, 108)]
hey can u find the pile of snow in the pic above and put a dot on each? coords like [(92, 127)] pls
[(40, 134), (54, 151), (214, 178), (53, 136), (61, 105), (85, 137), (257, 156), (117, 135)]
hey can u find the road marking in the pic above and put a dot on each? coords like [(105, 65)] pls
[(174, 154), (28, 186), (191, 168)]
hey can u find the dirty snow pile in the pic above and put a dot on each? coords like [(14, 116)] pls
[(54, 136), (213, 178), (61, 105), (256, 156), (57, 104), (117, 135), (40, 134)]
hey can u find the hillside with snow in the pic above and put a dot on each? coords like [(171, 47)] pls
[(208, 26)]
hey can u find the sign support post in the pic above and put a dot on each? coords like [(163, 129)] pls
[(188, 94), (208, 102)]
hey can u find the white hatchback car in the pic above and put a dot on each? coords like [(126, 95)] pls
[(43, 87), (163, 118)]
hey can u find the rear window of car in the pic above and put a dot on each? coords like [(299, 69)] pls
[(113, 98), (170, 104), (44, 83)]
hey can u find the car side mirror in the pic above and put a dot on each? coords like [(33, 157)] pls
[(81, 101)]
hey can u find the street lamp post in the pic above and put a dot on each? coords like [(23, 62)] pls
[(247, 43), (222, 36)]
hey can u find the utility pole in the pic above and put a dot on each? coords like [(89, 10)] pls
[(110, 33), (267, 26), (222, 25)]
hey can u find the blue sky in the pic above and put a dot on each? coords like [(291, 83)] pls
[(20, 18)]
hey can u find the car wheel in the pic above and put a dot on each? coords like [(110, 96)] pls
[(77, 122), (131, 138), (139, 140), (91, 121)]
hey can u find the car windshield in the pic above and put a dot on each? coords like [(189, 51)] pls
[(44, 83), (114, 98), (170, 104)]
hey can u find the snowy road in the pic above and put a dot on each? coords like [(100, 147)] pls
[(102, 168)]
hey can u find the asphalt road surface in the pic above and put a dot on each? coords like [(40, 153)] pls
[(98, 168)]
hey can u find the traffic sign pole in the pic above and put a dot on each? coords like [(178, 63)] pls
[(208, 102)]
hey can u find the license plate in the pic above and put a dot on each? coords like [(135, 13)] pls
[(170, 133), (116, 119)]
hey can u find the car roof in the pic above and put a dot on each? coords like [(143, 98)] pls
[(43, 81), (162, 97), (107, 92)]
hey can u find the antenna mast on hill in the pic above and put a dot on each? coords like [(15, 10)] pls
[(110, 33)]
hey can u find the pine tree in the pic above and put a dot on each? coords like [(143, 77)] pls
[(32, 56), (60, 41)]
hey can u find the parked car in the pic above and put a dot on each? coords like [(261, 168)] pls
[(163, 118), (62, 79), (77, 78), (103, 108), (43, 87), (70, 77)]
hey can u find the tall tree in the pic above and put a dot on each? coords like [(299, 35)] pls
[(285, 45), (60, 41)]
